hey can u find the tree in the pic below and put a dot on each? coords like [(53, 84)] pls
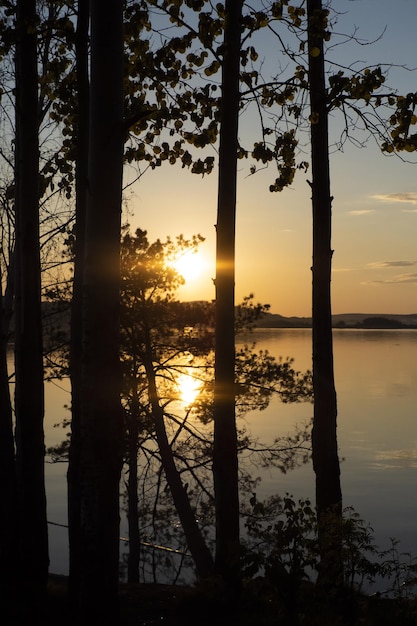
[(360, 99), (324, 434), (147, 318), (29, 231), (81, 186), (200, 106), (161, 338), (225, 457), (101, 417), (29, 399), (9, 519), (164, 342)]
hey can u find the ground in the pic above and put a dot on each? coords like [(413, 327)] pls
[(167, 605)]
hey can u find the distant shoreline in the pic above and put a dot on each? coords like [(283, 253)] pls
[(53, 311), (344, 320)]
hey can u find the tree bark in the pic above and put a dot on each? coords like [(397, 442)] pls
[(101, 424), (225, 455), (29, 392), (9, 517), (81, 175), (324, 436)]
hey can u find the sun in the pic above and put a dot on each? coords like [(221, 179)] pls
[(190, 265), (189, 388)]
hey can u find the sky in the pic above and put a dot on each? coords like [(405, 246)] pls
[(374, 207)]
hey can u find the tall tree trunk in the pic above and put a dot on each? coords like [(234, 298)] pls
[(9, 517), (225, 455), (324, 437), (101, 424), (29, 399), (81, 174), (196, 544)]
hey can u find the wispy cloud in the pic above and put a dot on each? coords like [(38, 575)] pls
[(408, 197), (381, 264), (343, 269), (395, 280), (361, 211)]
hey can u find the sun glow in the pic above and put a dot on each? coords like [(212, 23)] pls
[(190, 265), (188, 387)]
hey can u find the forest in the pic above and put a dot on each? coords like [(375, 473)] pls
[(94, 95)]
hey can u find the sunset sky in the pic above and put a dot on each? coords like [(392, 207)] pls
[(374, 207)]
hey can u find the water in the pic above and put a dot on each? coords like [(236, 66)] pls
[(376, 381)]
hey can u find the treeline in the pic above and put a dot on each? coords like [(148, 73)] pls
[(270, 320), (377, 322), (56, 317)]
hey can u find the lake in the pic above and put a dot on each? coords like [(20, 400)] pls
[(376, 382)]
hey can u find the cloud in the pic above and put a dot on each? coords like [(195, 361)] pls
[(361, 211), (380, 264), (408, 197), (343, 269), (395, 280)]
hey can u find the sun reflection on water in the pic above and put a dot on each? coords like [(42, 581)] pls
[(188, 388)]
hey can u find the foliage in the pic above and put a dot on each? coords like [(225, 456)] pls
[(401, 570), (401, 121), (281, 540), (172, 92), (282, 548)]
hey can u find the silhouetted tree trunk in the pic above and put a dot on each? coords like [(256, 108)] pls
[(225, 456), (29, 398), (324, 436), (101, 432), (81, 174), (9, 517)]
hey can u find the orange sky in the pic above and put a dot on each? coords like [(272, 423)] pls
[(374, 208)]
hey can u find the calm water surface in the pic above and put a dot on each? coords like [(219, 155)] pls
[(376, 381)]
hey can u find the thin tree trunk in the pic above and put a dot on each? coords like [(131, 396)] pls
[(9, 517), (196, 544), (132, 493), (225, 455), (101, 431), (29, 398), (324, 436), (81, 173)]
